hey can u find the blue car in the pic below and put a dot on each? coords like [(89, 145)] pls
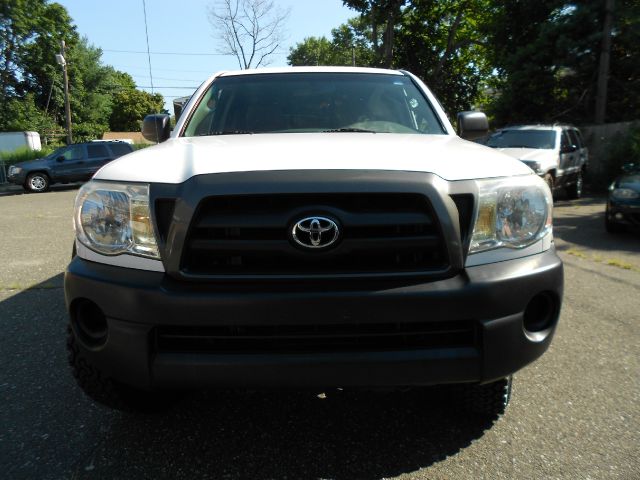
[(73, 163), (623, 204)]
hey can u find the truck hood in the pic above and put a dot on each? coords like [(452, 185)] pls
[(33, 164), (530, 154), (179, 159)]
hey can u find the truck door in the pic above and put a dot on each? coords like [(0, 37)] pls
[(68, 166), (98, 154), (568, 156)]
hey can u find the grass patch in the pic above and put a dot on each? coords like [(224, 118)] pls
[(612, 262), (24, 154), (620, 264)]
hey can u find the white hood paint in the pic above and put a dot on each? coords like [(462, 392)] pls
[(179, 159)]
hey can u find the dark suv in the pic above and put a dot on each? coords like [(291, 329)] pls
[(73, 163)]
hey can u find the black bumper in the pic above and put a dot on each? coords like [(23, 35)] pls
[(492, 298), (624, 212)]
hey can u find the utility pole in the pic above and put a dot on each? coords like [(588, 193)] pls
[(353, 56), (60, 58), (603, 69)]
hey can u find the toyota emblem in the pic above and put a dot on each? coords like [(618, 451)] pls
[(315, 232)]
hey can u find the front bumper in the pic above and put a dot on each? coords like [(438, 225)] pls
[(491, 297), (624, 212), (17, 178)]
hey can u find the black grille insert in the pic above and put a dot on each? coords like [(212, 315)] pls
[(250, 235), (315, 338)]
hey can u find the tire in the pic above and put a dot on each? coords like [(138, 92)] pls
[(107, 391), (575, 191), (489, 400), (37, 182), (612, 227)]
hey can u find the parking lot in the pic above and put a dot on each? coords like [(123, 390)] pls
[(574, 414)]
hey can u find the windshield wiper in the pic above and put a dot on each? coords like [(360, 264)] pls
[(349, 129), (230, 132)]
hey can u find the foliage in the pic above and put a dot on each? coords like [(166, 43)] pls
[(31, 85), (348, 42), (24, 154), (546, 57), (251, 30), (441, 41), (131, 106)]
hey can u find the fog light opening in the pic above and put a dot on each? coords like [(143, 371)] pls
[(90, 322), (541, 312)]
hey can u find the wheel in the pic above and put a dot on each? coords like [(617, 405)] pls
[(550, 181), (575, 191), (612, 227), (107, 391), (488, 400), (37, 182)]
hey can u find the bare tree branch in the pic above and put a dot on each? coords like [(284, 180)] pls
[(251, 30)]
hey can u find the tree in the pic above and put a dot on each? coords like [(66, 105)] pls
[(130, 106), (251, 30), (382, 17), (349, 43), (546, 58), (441, 41)]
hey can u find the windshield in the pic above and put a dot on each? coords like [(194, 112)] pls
[(523, 139), (313, 102)]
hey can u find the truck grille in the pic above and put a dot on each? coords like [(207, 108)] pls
[(250, 235), (315, 338)]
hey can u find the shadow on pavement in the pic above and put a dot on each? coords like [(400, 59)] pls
[(586, 228), (49, 429), (10, 189)]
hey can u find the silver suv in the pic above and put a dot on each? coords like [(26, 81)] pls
[(555, 152)]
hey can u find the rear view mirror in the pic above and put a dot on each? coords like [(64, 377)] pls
[(60, 158), (569, 149), (630, 167), (156, 128), (472, 125)]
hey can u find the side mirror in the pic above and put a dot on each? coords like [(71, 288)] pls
[(60, 159), (156, 128), (472, 125), (569, 149)]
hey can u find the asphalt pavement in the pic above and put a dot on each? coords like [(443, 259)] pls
[(574, 414)]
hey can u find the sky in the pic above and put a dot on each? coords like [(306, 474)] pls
[(183, 27)]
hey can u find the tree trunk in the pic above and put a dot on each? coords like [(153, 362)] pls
[(603, 69)]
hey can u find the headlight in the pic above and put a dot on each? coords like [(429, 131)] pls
[(624, 193), (114, 218), (512, 213), (14, 170)]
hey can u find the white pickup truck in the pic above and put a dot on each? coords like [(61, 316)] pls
[(311, 227)]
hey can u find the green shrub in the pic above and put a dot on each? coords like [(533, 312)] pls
[(139, 146), (24, 154)]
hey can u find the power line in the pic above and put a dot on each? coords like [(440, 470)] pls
[(142, 52), (165, 53), (165, 78), (146, 32), (138, 67)]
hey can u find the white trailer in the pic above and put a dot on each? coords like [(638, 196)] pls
[(11, 141)]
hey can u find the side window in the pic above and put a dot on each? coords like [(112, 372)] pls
[(573, 138), (580, 143), (565, 142), (74, 152), (97, 151), (120, 149)]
